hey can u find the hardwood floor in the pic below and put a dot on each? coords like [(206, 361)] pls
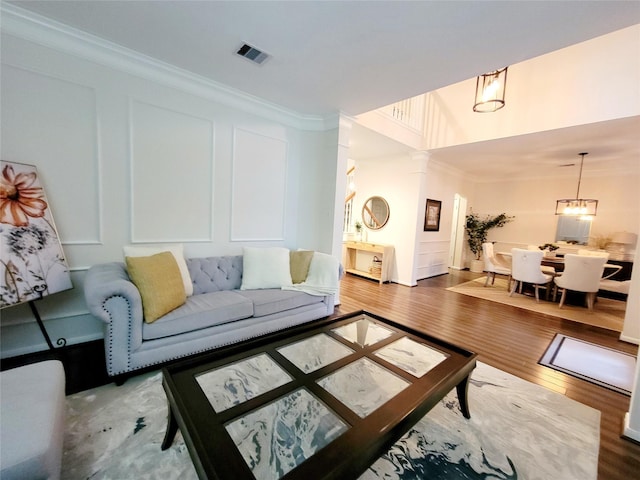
[(507, 338)]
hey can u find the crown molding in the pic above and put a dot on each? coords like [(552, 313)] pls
[(30, 26)]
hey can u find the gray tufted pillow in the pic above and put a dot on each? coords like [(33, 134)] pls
[(212, 274)]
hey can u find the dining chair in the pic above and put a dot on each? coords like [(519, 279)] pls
[(493, 265), (525, 268), (582, 273), (609, 267), (545, 268)]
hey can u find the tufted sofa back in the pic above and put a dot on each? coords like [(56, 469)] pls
[(212, 274)]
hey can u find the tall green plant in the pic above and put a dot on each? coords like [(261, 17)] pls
[(477, 229)]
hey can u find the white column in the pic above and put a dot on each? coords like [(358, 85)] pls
[(421, 164), (345, 125), (632, 417), (631, 332), (631, 327)]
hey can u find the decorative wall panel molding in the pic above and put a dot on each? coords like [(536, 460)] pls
[(433, 258), (52, 123), (259, 187), (171, 168)]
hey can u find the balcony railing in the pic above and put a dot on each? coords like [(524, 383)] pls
[(409, 112)]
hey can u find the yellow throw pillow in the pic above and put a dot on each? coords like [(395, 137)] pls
[(159, 281), (299, 262), (178, 253)]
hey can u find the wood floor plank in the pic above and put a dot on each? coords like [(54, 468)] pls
[(508, 338)]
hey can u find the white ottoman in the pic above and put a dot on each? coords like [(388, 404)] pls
[(32, 409)]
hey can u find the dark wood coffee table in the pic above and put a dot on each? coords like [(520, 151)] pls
[(319, 401)]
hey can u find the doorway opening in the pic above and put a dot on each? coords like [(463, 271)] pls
[(456, 249)]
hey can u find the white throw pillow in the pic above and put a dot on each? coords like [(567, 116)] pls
[(265, 268), (177, 251)]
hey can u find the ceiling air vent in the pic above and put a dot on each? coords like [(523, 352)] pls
[(252, 53)]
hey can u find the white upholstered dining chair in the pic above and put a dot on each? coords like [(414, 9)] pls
[(610, 269), (525, 268), (582, 273), (493, 265), (545, 268)]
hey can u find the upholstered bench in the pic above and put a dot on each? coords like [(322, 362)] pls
[(32, 405), (616, 286)]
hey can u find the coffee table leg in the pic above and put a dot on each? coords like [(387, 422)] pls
[(172, 429), (462, 388)]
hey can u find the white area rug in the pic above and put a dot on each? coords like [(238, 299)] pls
[(518, 430), (607, 313), (600, 365)]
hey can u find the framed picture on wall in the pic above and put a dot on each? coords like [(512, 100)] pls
[(432, 215)]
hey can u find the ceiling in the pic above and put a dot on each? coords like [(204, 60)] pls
[(356, 56), (613, 148)]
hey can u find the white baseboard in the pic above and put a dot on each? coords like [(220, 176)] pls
[(628, 339), (26, 338), (629, 432)]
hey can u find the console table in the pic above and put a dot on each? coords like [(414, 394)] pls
[(359, 257)]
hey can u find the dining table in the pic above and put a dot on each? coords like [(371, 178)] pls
[(557, 262)]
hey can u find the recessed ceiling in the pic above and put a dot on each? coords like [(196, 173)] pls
[(613, 147)]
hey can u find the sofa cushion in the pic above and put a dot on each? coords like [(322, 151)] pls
[(159, 282), (200, 311), (269, 301), (300, 260), (212, 274), (265, 268), (176, 250)]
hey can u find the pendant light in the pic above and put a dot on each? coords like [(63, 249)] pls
[(577, 206), (490, 88)]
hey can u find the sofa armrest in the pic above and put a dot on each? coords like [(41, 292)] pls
[(114, 299), (104, 282)]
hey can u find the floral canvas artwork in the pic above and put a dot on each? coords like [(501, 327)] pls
[(32, 264)]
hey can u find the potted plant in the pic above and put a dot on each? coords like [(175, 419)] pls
[(477, 229)]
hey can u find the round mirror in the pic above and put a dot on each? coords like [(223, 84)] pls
[(375, 213)]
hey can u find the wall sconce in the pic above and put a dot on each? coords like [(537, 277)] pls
[(490, 89)]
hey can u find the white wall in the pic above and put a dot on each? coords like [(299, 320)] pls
[(433, 248), (126, 159), (590, 82), (397, 180), (406, 182), (533, 204)]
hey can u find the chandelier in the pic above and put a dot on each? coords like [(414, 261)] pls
[(490, 88), (577, 206)]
